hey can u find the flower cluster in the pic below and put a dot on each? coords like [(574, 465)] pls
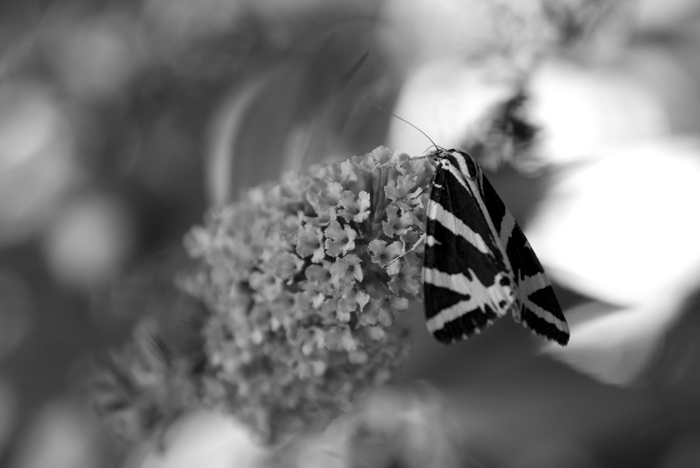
[(145, 386), (303, 280)]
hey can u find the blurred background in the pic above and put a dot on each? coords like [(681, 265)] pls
[(122, 122)]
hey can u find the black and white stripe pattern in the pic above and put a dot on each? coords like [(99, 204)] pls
[(478, 264)]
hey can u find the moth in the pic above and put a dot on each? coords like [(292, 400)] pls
[(478, 265)]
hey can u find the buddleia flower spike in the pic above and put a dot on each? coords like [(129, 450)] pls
[(303, 292)]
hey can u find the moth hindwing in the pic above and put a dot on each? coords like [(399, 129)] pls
[(478, 264)]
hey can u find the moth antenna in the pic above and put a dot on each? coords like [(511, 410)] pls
[(409, 123)]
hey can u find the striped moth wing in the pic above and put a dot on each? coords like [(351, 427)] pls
[(478, 264), (467, 284)]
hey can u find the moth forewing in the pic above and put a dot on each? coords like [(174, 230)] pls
[(478, 264), (465, 279)]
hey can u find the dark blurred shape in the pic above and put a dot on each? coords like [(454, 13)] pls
[(17, 311), (8, 416), (555, 452), (683, 453)]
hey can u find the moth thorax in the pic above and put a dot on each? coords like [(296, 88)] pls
[(462, 161)]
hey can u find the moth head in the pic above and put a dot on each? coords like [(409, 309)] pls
[(462, 161)]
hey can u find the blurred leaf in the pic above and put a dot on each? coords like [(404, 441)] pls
[(620, 229), (290, 114), (583, 111), (617, 345), (452, 102), (225, 132)]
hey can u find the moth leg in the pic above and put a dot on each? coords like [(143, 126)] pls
[(420, 241)]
